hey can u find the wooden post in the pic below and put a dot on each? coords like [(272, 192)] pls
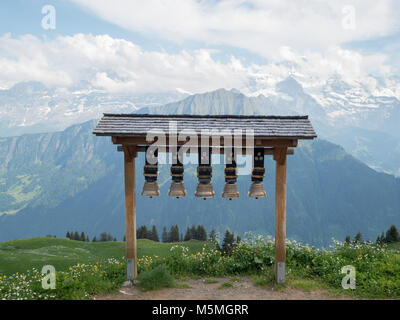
[(280, 215), (130, 212)]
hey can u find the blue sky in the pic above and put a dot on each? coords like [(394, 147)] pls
[(21, 17), (230, 38), (24, 16)]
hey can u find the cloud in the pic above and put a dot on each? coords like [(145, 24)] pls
[(259, 26), (110, 64), (117, 65)]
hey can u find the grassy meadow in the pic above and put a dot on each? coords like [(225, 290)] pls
[(22, 255), (86, 269)]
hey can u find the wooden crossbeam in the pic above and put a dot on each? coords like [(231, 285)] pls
[(259, 142), (267, 151)]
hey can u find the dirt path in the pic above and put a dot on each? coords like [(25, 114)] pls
[(199, 290)]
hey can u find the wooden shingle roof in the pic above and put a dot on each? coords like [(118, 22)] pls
[(295, 127)]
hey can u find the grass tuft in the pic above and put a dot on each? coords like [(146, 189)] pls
[(306, 285), (236, 279), (155, 279), (226, 285), (265, 279), (210, 280)]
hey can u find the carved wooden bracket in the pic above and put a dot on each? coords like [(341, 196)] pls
[(280, 155), (129, 152)]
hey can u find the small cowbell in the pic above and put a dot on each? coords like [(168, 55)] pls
[(150, 189), (177, 189), (230, 191), (204, 190), (257, 190)]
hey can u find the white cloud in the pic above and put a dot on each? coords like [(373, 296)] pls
[(299, 37), (110, 64), (259, 26), (117, 65)]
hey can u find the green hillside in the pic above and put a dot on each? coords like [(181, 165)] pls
[(22, 255)]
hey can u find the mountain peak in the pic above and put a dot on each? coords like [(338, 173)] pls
[(217, 102), (28, 87), (221, 92), (290, 86), (234, 90)]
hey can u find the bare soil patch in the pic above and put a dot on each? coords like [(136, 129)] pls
[(200, 290)]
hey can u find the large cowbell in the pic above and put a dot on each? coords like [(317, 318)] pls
[(230, 188), (204, 173), (150, 187), (177, 188), (257, 188)]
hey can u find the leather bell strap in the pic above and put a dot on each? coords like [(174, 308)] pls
[(150, 172), (204, 172), (177, 172), (230, 174), (258, 174)]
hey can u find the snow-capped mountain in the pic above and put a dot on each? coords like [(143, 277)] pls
[(362, 117), (336, 102), (359, 106), (364, 124), (365, 121), (30, 107)]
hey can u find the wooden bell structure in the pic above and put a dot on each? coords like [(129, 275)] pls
[(257, 188), (204, 187), (150, 187), (273, 135), (230, 188), (177, 188)]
